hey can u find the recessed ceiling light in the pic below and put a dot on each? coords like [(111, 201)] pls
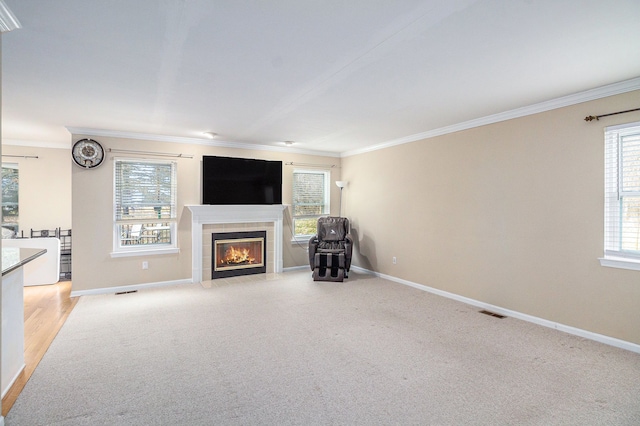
[(288, 143), (210, 135)]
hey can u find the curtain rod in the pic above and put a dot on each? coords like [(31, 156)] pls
[(326, 166), (597, 117), (161, 154), (20, 156)]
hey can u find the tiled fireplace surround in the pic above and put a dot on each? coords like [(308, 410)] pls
[(206, 220)]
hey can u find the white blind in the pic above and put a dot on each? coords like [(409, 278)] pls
[(622, 190), (309, 198), (145, 190)]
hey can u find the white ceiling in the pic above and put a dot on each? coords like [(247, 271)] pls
[(333, 76)]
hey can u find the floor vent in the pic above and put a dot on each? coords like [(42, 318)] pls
[(127, 292), (493, 314)]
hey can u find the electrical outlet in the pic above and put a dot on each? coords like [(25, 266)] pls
[(145, 265), (394, 260)]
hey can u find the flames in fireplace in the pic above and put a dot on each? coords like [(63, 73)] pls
[(238, 253), (238, 256)]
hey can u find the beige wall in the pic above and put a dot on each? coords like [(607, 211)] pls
[(45, 187), (510, 214), (93, 267)]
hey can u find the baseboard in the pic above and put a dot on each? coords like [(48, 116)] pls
[(15, 377), (110, 290), (296, 268), (607, 340)]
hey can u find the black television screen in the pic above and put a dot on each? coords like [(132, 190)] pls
[(227, 180)]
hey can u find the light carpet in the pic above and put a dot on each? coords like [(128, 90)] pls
[(285, 350)]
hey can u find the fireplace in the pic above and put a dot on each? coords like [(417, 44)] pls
[(238, 253), (206, 220)]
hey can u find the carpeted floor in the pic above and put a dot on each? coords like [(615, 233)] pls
[(287, 350)]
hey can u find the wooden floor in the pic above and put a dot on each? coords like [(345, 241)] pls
[(46, 308)]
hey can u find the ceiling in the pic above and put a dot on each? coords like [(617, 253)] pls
[(332, 76)]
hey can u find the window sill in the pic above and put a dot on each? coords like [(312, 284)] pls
[(145, 252), (620, 262)]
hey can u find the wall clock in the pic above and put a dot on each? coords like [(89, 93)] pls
[(87, 153)]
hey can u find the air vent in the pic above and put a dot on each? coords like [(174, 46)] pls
[(127, 292), (493, 314)]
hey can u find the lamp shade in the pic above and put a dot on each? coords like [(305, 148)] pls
[(341, 184)]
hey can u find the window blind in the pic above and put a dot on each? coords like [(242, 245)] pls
[(309, 193), (622, 191), (145, 190)]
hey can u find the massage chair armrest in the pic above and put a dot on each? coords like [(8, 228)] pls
[(313, 247), (348, 248)]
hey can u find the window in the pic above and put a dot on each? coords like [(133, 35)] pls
[(622, 197), (10, 210), (310, 200), (145, 207)]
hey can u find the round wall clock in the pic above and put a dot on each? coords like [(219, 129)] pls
[(87, 153)]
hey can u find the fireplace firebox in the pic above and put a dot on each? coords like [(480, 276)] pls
[(238, 253)]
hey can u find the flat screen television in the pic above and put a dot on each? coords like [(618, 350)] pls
[(228, 180)]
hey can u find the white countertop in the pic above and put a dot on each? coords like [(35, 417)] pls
[(14, 257)]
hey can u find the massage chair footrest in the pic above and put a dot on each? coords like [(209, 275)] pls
[(329, 267)]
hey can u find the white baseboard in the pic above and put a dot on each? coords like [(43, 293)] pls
[(110, 290), (607, 340), (15, 377), (297, 268)]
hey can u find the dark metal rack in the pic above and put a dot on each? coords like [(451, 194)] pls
[(64, 235)]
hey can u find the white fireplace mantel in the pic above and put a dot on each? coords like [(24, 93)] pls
[(207, 214)]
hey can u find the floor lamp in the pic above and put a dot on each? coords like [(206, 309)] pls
[(341, 184)]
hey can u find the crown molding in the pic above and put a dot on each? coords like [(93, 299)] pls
[(195, 141), (8, 21), (576, 98), (36, 144)]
